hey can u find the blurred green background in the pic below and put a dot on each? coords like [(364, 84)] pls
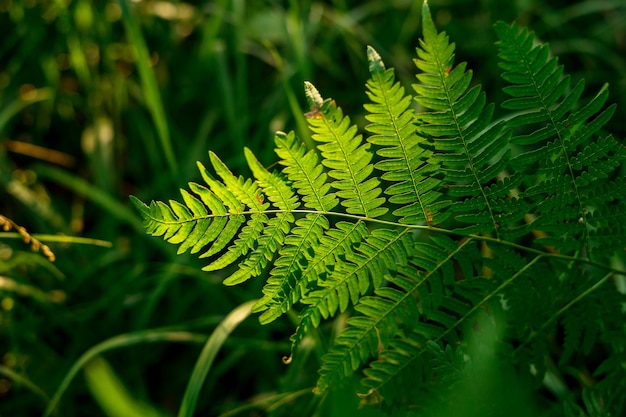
[(102, 99)]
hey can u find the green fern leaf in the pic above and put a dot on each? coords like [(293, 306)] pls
[(608, 229), (471, 150), (364, 267), (245, 190), (566, 151), (191, 228), (227, 199), (198, 211), (443, 308), (390, 374), (303, 169), (267, 245), (275, 188), (158, 218), (369, 334), (330, 251), (448, 364), (221, 227), (372, 333), (347, 158), (405, 163)]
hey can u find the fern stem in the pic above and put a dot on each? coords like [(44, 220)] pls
[(435, 229)]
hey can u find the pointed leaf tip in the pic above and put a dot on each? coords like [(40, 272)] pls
[(376, 63), (312, 95), (428, 27), (139, 205), (257, 168)]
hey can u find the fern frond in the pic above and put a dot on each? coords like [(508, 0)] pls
[(457, 245), (197, 230), (347, 158), (328, 254), (404, 162), (219, 229), (364, 266), (345, 280), (471, 150), (449, 364), (398, 367), (566, 148), (608, 226), (204, 221), (244, 190), (227, 199), (273, 185), (444, 310), (371, 333)]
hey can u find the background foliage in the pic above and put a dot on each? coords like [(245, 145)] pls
[(99, 100)]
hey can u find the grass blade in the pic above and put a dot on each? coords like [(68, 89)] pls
[(149, 85), (205, 361), (120, 341), (97, 196), (23, 381), (109, 392)]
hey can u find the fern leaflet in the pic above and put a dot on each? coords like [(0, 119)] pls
[(562, 146)]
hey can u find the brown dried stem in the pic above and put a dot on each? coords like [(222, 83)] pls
[(7, 224)]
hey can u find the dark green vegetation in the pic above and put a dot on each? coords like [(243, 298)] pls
[(132, 96)]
